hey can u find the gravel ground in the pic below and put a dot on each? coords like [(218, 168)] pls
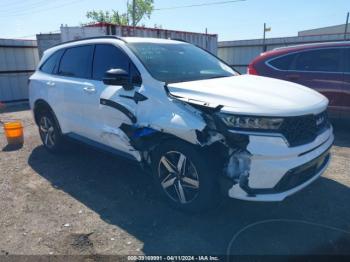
[(86, 202)]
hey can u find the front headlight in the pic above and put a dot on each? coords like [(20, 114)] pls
[(251, 122)]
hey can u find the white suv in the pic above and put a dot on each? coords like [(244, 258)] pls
[(186, 116)]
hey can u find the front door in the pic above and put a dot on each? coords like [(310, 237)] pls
[(108, 107)]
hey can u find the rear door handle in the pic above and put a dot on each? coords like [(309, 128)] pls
[(89, 89), (50, 83)]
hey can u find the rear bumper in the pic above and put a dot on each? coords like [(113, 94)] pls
[(278, 171)]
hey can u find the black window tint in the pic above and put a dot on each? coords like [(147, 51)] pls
[(76, 62), (325, 60), (347, 60), (283, 62), (107, 57), (50, 64), (136, 77)]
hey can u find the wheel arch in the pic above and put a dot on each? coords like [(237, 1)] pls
[(41, 105)]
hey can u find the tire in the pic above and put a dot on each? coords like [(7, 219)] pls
[(50, 132), (184, 176)]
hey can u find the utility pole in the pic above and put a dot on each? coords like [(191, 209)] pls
[(264, 37), (346, 26), (206, 38), (266, 29), (133, 13), (127, 13)]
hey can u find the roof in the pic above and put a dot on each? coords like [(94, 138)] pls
[(96, 40), (124, 39), (151, 40), (290, 49), (310, 45), (286, 49)]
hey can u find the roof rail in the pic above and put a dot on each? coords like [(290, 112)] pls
[(94, 37), (179, 40), (316, 43)]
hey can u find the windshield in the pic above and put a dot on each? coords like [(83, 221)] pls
[(176, 62)]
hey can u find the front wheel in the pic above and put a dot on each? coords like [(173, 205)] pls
[(185, 177)]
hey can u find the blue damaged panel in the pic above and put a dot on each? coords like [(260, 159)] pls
[(146, 131)]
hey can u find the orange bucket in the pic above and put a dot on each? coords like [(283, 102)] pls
[(14, 133)]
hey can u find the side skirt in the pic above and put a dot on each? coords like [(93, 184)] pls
[(100, 147)]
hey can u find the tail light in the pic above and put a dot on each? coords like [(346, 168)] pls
[(251, 70)]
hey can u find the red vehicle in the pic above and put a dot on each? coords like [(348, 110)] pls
[(324, 67)]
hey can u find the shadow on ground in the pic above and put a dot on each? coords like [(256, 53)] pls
[(122, 195), (12, 147), (341, 132), (14, 108)]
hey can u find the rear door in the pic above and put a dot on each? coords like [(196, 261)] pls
[(322, 70), (45, 81), (74, 78)]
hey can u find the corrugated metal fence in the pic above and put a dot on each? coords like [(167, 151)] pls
[(240, 53), (206, 41), (18, 59), (45, 41)]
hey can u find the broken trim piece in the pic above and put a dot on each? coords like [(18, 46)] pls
[(201, 105), (136, 98), (119, 107), (145, 138)]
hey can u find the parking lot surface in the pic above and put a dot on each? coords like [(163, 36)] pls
[(87, 202)]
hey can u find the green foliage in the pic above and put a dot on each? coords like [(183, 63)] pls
[(143, 9), (108, 17)]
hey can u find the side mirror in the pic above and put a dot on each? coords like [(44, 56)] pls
[(118, 77)]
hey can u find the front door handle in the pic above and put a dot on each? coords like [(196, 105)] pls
[(89, 89)]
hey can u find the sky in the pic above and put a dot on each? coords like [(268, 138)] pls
[(231, 21)]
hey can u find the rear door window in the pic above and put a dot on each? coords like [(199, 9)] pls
[(323, 60), (76, 62), (108, 57)]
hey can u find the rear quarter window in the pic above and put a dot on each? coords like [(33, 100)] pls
[(283, 62), (51, 63)]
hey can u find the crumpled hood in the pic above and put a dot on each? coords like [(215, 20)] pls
[(252, 95)]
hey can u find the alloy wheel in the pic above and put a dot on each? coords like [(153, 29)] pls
[(47, 132), (178, 177)]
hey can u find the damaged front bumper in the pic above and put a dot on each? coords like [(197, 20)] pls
[(276, 170)]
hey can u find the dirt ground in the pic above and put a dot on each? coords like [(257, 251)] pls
[(87, 202)]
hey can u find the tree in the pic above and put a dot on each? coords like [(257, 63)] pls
[(143, 9), (107, 17)]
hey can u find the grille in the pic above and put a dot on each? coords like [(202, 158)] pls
[(301, 174), (301, 130)]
